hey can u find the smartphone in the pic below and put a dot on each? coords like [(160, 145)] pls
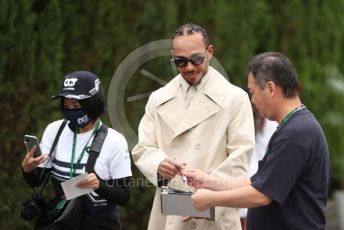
[(30, 141)]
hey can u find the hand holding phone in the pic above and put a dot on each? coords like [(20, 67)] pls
[(31, 141)]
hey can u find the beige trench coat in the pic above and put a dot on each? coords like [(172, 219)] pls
[(216, 135)]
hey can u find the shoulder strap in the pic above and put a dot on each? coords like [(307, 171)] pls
[(96, 147), (57, 137)]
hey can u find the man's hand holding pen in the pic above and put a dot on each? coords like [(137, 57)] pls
[(169, 168)]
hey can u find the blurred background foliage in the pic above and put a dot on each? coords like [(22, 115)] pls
[(41, 40)]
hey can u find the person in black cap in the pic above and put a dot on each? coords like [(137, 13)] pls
[(82, 104), (81, 99)]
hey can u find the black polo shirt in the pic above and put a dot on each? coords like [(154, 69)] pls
[(295, 174)]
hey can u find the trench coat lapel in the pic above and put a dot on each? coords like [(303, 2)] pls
[(172, 111), (201, 108)]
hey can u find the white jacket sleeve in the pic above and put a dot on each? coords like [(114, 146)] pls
[(240, 139), (146, 154)]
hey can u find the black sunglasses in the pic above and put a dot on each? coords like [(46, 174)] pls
[(195, 59)]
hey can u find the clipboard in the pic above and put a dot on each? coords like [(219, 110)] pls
[(179, 203)]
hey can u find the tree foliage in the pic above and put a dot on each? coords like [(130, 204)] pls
[(43, 40)]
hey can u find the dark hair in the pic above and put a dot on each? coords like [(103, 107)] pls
[(93, 106), (276, 67), (190, 28)]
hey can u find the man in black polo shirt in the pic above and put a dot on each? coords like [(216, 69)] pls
[(289, 190)]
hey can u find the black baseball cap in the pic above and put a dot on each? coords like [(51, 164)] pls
[(80, 85)]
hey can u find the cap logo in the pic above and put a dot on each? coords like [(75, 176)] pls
[(96, 87), (69, 83)]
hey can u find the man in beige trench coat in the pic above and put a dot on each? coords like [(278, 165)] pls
[(210, 129)]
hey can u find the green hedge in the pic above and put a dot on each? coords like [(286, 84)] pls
[(42, 40)]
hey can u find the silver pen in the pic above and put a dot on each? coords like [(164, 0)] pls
[(181, 173)]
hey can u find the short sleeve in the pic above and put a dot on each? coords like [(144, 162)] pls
[(114, 159), (279, 170)]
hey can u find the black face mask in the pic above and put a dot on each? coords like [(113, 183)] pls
[(78, 117)]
